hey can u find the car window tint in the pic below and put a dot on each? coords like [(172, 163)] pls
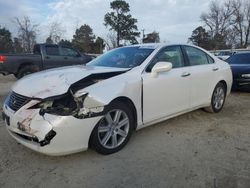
[(243, 59), (172, 54), (239, 59), (196, 56), (68, 52), (52, 50)]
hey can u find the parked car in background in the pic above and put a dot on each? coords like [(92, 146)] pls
[(223, 55), (240, 65), (44, 56), (99, 105)]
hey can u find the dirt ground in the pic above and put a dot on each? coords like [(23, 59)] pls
[(197, 149)]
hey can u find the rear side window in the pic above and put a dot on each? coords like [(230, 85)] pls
[(52, 50), (239, 59), (68, 52), (197, 56)]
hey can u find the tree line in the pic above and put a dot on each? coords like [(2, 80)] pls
[(122, 27), (226, 25)]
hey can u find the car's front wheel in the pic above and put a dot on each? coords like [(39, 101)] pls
[(113, 131), (218, 98)]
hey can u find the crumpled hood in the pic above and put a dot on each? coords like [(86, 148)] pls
[(56, 81)]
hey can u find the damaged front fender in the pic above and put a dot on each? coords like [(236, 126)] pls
[(89, 107), (80, 105)]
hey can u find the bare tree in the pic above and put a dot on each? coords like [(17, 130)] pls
[(232, 38), (56, 32), (111, 40), (237, 20), (241, 20), (218, 17), (247, 21), (27, 33), (229, 22)]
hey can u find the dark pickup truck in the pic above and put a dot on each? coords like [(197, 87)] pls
[(44, 56)]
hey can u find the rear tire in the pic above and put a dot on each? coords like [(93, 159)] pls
[(26, 70), (218, 99), (114, 130)]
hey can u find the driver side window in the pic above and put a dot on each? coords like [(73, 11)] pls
[(172, 54)]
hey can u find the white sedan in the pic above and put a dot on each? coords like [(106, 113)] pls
[(67, 110)]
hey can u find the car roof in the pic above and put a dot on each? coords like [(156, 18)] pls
[(238, 53), (160, 45), (157, 45)]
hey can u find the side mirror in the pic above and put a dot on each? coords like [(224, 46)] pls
[(161, 67)]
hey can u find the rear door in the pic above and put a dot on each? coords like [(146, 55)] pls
[(204, 74)]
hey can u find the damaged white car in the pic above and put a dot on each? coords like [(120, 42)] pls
[(67, 110)]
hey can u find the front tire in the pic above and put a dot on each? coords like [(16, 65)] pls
[(114, 130), (218, 98)]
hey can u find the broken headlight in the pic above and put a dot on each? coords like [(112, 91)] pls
[(65, 105)]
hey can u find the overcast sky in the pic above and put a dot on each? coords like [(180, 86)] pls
[(174, 19)]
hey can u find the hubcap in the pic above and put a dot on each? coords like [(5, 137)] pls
[(218, 98), (113, 129)]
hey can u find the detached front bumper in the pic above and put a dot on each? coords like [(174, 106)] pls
[(49, 134)]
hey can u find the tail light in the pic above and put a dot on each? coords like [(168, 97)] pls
[(2, 58)]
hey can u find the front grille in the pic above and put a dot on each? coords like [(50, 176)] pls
[(16, 101)]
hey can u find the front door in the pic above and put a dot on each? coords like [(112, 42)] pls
[(169, 92)]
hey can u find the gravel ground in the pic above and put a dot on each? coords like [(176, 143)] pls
[(197, 149)]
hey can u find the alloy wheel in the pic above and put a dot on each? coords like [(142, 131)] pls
[(218, 98), (113, 129)]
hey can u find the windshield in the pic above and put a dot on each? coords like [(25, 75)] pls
[(126, 57)]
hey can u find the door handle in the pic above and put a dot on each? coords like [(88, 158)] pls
[(65, 57), (215, 68), (47, 57), (185, 74)]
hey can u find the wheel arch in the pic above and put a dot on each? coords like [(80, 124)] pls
[(214, 86), (127, 101), (224, 83), (130, 104), (210, 108), (25, 65)]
